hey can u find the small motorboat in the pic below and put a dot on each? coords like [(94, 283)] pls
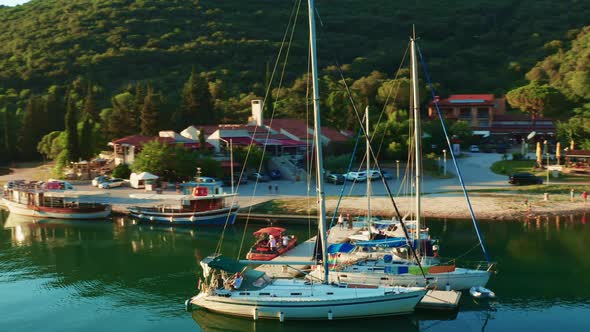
[(270, 243), (480, 292)]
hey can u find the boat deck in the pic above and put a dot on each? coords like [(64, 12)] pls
[(302, 252)]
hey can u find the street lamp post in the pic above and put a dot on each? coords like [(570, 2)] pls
[(231, 161), (397, 164), (445, 162)]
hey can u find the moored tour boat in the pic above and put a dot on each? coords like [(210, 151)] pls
[(262, 249), (35, 201), (206, 205)]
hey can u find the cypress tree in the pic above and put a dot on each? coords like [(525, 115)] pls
[(90, 108), (149, 114), (197, 105), (71, 124), (32, 128), (86, 139)]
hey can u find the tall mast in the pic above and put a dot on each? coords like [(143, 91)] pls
[(322, 233), (417, 133), (368, 169)]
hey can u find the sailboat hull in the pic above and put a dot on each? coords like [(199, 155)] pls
[(296, 300), (459, 279)]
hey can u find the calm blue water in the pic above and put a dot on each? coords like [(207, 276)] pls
[(120, 276)]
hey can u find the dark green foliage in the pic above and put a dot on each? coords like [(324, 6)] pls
[(32, 130), (149, 113), (103, 50), (171, 162), (538, 100), (209, 167), (121, 171), (52, 144), (197, 105), (87, 145), (71, 123)]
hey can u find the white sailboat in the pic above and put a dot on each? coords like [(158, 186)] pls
[(258, 296), (388, 262)]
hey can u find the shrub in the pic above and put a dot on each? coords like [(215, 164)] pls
[(122, 171)]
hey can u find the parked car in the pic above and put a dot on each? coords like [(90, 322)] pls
[(99, 179), (53, 184), (13, 184), (111, 183), (275, 174), (260, 177), (474, 148), (335, 178), (375, 175), (524, 178), (356, 176)]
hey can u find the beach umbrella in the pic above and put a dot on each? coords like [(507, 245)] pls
[(558, 152), (539, 156), (572, 145)]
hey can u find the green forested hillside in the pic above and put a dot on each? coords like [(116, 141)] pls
[(478, 45), (116, 50)]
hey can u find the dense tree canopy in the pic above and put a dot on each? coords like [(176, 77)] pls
[(104, 52)]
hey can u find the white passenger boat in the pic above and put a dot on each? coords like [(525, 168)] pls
[(36, 201)]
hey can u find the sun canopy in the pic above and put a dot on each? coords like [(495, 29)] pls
[(226, 264), (146, 176), (392, 242), (274, 231), (340, 247)]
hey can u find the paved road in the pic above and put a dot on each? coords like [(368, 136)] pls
[(475, 169)]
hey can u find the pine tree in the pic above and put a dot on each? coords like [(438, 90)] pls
[(197, 105), (149, 113), (71, 124)]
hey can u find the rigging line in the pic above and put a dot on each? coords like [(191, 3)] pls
[(459, 175), (358, 136), (387, 189), (292, 20), (394, 99), (277, 61), (308, 161)]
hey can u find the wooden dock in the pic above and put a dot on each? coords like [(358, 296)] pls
[(440, 300)]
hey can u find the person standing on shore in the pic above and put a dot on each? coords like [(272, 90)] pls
[(585, 196), (572, 195)]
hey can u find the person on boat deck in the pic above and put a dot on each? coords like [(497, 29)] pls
[(272, 243), (220, 281), (237, 283), (341, 221), (285, 240)]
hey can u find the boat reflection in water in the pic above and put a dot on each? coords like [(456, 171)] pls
[(211, 322)]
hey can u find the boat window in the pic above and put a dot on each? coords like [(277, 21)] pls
[(268, 294), (295, 293), (329, 293), (244, 293)]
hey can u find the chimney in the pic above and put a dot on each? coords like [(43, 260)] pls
[(257, 112)]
